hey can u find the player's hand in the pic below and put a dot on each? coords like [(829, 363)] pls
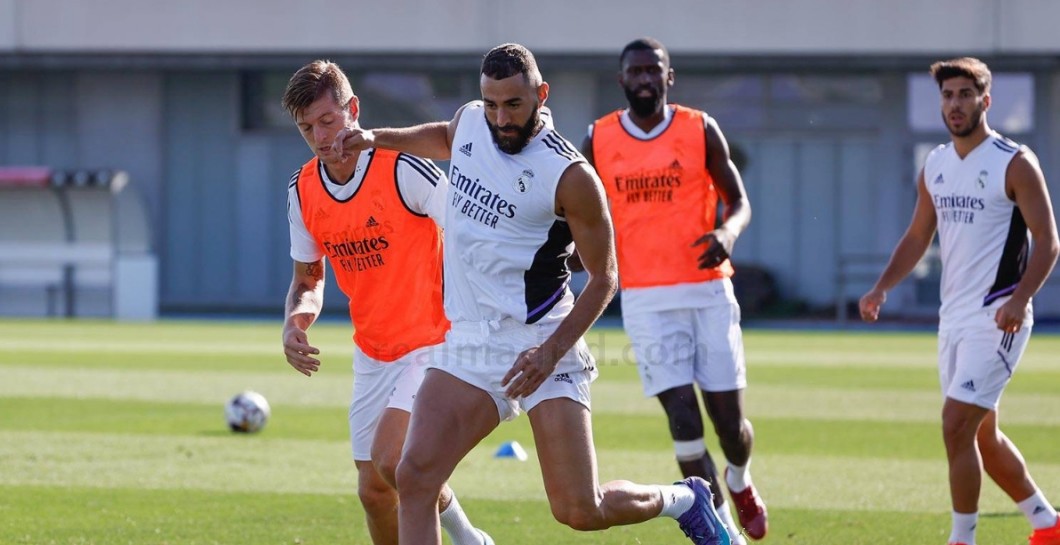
[(299, 352), (350, 141), (870, 304), (1010, 316), (531, 369), (719, 247)]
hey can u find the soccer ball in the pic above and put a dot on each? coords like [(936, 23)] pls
[(247, 412)]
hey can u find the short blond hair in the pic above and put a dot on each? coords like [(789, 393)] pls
[(310, 83)]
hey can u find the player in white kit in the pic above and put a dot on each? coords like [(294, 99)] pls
[(520, 197), (984, 194)]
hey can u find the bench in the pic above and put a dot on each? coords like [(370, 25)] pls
[(61, 251)]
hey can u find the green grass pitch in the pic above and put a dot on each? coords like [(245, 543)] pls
[(113, 434)]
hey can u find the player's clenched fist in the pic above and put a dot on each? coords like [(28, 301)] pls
[(350, 140), (870, 304)]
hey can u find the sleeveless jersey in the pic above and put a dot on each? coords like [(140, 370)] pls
[(662, 199), (506, 250), (385, 258), (983, 240)]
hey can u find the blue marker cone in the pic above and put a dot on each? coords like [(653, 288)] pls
[(511, 449)]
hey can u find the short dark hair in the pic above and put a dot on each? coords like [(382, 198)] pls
[(310, 83), (968, 67), (645, 44), (507, 60)]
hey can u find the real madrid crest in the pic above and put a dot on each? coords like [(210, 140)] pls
[(524, 181), (982, 178)]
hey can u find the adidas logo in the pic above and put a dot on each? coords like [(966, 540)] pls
[(1038, 509), (563, 377), (676, 165), (938, 179), (970, 386), (371, 222), (466, 149)]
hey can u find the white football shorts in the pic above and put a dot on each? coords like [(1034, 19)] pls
[(379, 385), (702, 346), (976, 363), (481, 353)]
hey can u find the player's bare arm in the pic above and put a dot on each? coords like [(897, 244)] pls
[(912, 246), (579, 199), (1025, 184), (305, 298), (429, 140), (737, 209), (574, 262)]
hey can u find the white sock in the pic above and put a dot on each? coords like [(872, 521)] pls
[(689, 451), (726, 518), (677, 498), (738, 477), (964, 528), (1038, 511), (457, 526)]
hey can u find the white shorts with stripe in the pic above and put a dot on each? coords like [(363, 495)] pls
[(481, 353), (702, 346), (976, 363), (379, 385)]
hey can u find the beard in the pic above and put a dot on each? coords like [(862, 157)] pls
[(973, 123), (643, 106), (514, 144)]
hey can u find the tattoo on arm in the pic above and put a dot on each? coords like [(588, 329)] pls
[(307, 277), (297, 293)]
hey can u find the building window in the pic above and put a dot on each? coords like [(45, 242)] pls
[(826, 89), (262, 93), (737, 101), (757, 101)]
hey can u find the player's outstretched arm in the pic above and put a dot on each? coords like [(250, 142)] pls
[(912, 246), (579, 199), (737, 208), (430, 140), (305, 298), (1025, 184)]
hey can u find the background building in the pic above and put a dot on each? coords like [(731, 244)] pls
[(829, 103)]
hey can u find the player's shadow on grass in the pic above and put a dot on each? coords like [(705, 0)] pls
[(225, 433)]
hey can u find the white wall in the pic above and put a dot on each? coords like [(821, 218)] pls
[(428, 26)]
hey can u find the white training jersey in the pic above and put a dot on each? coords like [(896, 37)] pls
[(420, 183), (505, 248), (983, 240)]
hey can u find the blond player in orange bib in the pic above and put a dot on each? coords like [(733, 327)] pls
[(376, 217), (665, 169)]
